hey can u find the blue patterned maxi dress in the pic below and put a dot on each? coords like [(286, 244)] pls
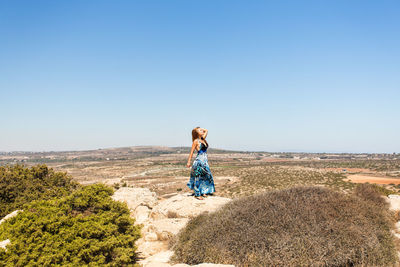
[(201, 179)]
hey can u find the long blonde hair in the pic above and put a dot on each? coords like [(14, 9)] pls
[(196, 135)]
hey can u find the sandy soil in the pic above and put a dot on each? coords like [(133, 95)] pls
[(360, 178)]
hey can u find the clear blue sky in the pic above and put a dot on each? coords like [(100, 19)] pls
[(319, 76)]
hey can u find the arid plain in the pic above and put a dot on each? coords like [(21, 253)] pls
[(236, 173)]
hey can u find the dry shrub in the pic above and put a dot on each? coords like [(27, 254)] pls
[(396, 216), (301, 226), (373, 193)]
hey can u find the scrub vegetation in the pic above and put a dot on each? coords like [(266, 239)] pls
[(300, 226), (20, 185), (83, 228)]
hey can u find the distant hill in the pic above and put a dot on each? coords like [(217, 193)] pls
[(120, 153), (136, 152)]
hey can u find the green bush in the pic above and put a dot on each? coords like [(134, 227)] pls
[(301, 226), (84, 228), (20, 185)]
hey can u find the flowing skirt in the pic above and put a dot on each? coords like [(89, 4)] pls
[(201, 179)]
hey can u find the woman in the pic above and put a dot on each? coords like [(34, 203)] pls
[(201, 179)]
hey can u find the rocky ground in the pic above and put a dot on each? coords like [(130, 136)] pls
[(162, 218)]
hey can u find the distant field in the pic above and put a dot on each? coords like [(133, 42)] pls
[(236, 173)]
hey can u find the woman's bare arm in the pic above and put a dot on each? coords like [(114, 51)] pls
[(191, 154), (205, 133)]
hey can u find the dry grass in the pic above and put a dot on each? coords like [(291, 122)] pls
[(373, 193), (259, 179), (301, 226)]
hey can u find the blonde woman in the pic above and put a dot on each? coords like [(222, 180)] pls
[(201, 179)]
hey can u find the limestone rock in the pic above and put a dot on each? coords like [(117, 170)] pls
[(397, 225), (164, 236), (169, 225), (395, 234), (141, 214), (159, 259), (149, 248), (185, 206), (135, 197), (151, 236), (163, 219), (394, 202), (9, 216), (4, 243)]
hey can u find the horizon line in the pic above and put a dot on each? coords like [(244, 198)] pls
[(299, 151)]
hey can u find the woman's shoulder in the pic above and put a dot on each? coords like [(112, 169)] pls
[(196, 141)]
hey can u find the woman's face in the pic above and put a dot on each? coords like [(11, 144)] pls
[(200, 131)]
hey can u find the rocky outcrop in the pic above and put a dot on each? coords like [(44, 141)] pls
[(166, 219), (139, 200), (136, 197), (186, 206), (160, 259), (394, 202), (163, 219), (169, 225), (141, 214)]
